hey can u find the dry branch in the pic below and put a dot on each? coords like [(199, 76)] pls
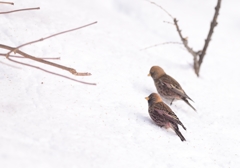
[(16, 56), (71, 70), (197, 55), (160, 44), (25, 9), (37, 59), (9, 3), (42, 60), (16, 50), (50, 37), (212, 26), (53, 73)]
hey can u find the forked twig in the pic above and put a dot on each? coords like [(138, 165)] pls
[(42, 60), (16, 50), (197, 55), (35, 58), (71, 70), (25, 9)]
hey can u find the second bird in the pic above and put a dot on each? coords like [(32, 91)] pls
[(167, 86), (162, 115)]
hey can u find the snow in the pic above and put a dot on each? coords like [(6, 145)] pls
[(48, 121)]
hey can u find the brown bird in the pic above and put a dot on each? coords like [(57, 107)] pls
[(162, 114), (167, 86)]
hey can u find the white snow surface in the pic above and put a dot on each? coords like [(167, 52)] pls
[(50, 122)]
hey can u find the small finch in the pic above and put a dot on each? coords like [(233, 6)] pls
[(167, 86), (162, 114)]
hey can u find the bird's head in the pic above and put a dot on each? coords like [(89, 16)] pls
[(153, 98), (156, 72)]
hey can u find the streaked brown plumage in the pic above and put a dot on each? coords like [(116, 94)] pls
[(167, 86), (162, 115)]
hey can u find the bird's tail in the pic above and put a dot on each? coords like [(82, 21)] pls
[(186, 101), (176, 130), (188, 97), (180, 123)]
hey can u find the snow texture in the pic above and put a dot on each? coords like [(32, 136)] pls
[(47, 121)]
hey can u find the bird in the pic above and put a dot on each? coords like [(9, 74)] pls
[(162, 114), (168, 87)]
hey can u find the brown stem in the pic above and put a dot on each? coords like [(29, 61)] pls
[(51, 36), (161, 44), (46, 58), (197, 55), (161, 8), (9, 3), (168, 22), (53, 73), (212, 26), (71, 70), (184, 40), (19, 10)]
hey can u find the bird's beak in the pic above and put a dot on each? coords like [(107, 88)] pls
[(149, 74), (147, 98)]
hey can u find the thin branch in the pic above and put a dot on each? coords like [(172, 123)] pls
[(161, 8), (16, 56), (168, 22), (184, 40), (197, 55), (13, 66), (161, 44), (71, 70), (53, 73), (9, 3), (20, 10), (175, 21), (51, 36), (212, 26)]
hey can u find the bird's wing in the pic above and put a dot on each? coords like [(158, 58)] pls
[(174, 86), (170, 116)]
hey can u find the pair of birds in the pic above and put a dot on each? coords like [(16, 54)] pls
[(170, 89)]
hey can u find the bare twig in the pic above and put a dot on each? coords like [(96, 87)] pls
[(51, 36), (16, 50), (212, 26), (42, 60), (168, 22), (161, 44), (19, 10), (53, 73), (9, 3), (45, 58), (161, 8), (197, 55), (189, 49), (13, 66), (35, 58), (71, 70)]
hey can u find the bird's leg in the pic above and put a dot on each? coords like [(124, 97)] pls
[(171, 101)]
